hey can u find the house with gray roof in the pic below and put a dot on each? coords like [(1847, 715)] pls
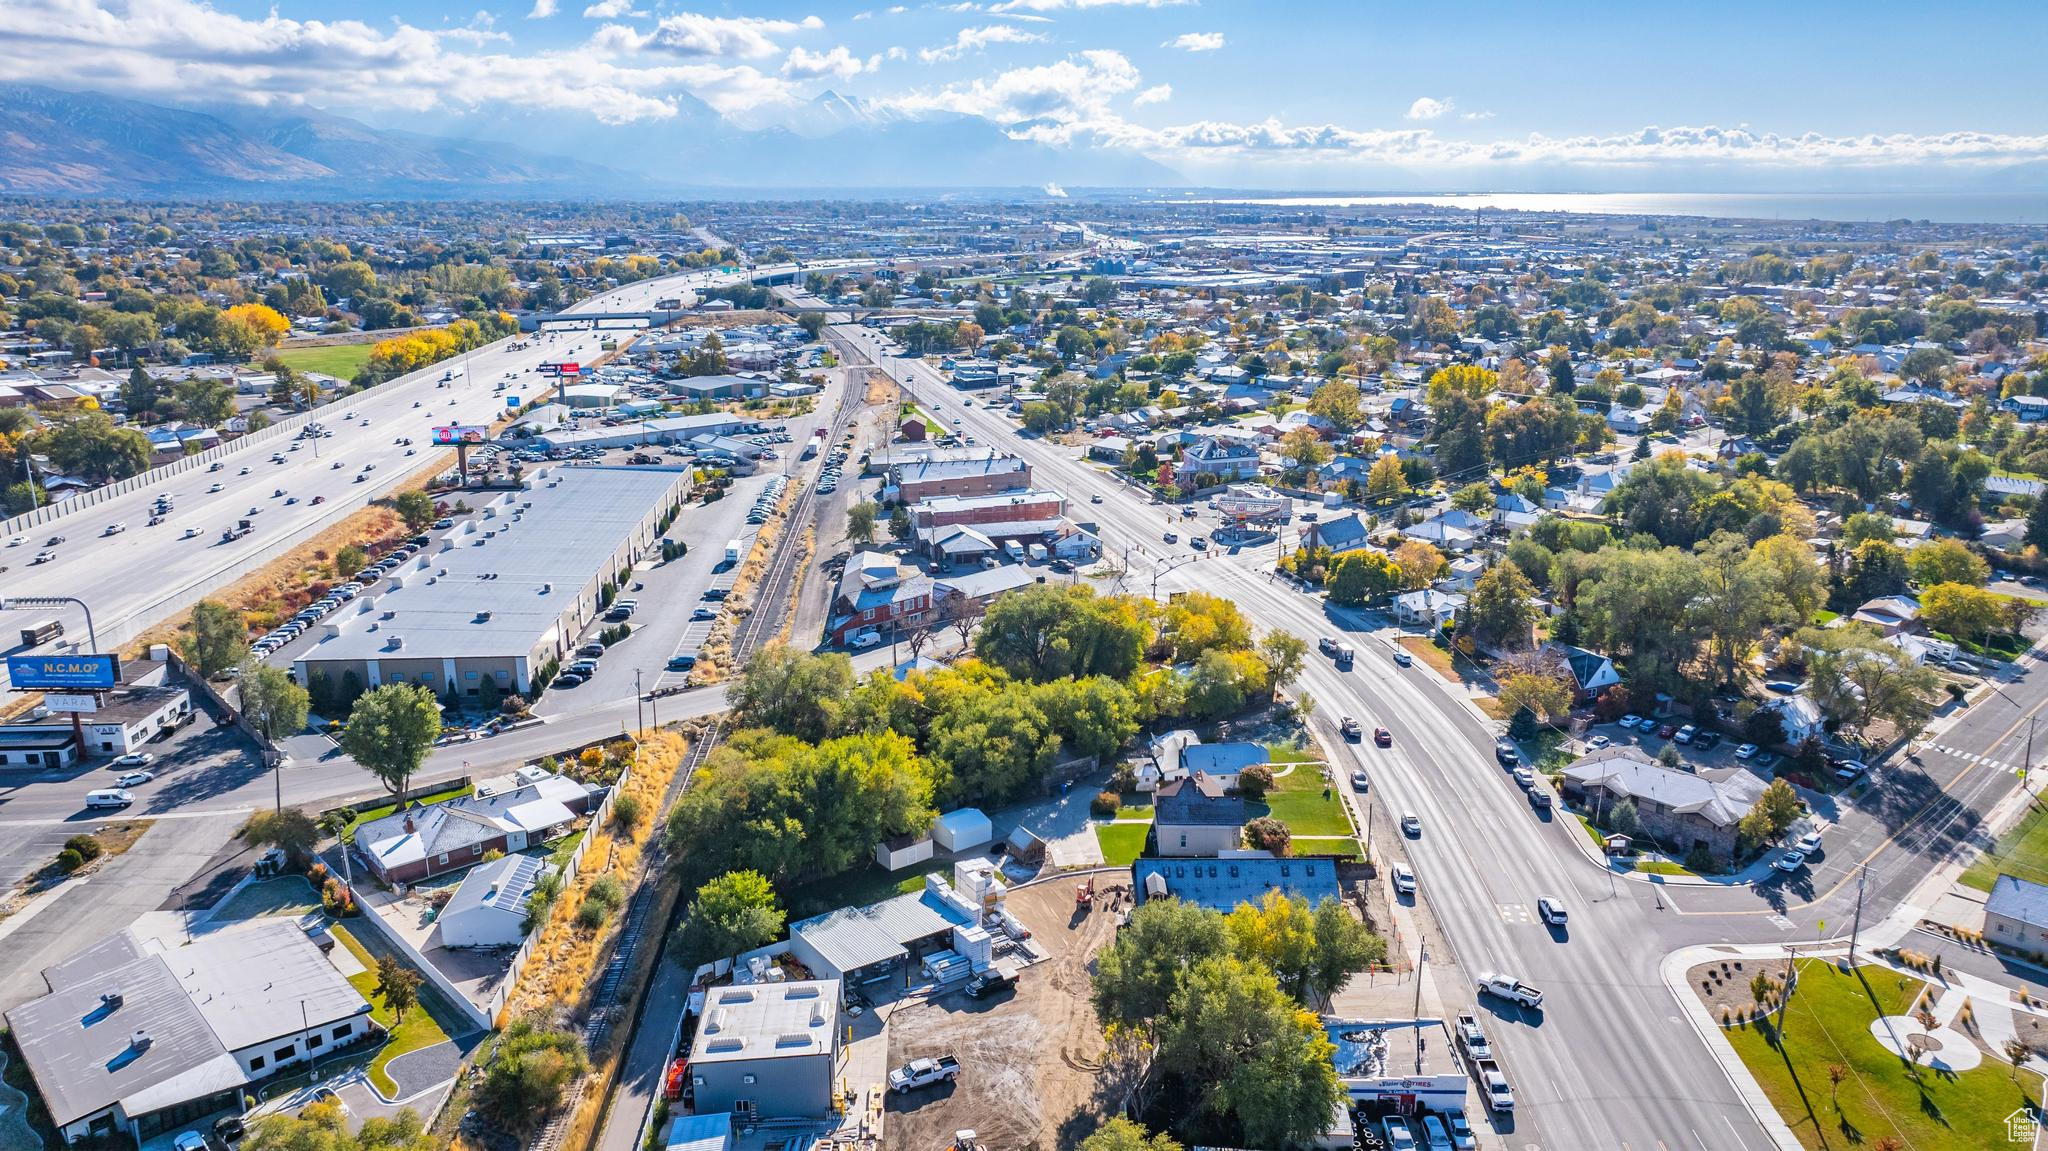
[(1683, 810), (1224, 884), (1199, 815)]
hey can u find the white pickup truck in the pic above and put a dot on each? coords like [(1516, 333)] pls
[(1511, 989), (923, 1073), (1492, 1080)]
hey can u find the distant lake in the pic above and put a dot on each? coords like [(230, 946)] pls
[(1940, 207)]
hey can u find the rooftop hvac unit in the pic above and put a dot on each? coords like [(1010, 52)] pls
[(139, 1040), (546, 588), (389, 615), (110, 998), (396, 642)]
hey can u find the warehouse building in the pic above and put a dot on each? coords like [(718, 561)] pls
[(666, 430), (125, 720), (767, 1050), (484, 608)]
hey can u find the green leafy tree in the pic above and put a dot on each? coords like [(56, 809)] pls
[(215, 639), (794, 692), (398, 985), (291, 830), (1120, 1134), (1047, 631), (1266, 1061), (272, 700), (322, 1125), (390, 730), (1858, 679), (1386, 481), (1774, 812), (1339, 402), (1965, 612), (1946, 561), (1476, 498), (531, 1073), (349, 560), (1284, 653), (1363, 575), (205, 401), (416, 508), (860, 522), (139, 393), (1138, 975), (1502, 607), (733, 913), (89, 444)]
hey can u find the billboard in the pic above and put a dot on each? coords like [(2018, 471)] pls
[(461, 434), (80, 670), (565, 368)]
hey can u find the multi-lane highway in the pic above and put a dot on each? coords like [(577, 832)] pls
[(142, 574)]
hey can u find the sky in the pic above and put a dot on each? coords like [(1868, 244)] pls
[(1600, 94)]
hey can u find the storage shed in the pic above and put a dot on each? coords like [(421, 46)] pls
[(962, 830), (489, 909)]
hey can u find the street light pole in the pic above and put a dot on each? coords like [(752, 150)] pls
[(639, 718)]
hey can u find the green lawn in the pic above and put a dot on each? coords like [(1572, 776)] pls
[(1829, 1022), (380, 811), (2023, 852), (564, 848), (285, 895), (1299, 800), (1285, 753), (342, 361), (1121, 842), (1343, 845), (418, 1030)]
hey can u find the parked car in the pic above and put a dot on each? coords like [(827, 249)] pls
[(135, 759), (1629, 722), (134, 778), (1686, 733), (1789, 862), (1746, 751), (924, 1072)]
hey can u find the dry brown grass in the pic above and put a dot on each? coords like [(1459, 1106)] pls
[(715, 659), (881, 390), (567, 956)]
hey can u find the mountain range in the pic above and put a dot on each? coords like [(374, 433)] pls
[(58, 142)]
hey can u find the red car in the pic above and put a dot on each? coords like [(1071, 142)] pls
[(1383, 737), (1666, 732)]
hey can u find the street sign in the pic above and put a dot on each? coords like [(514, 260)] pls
[(43, 672), (83, 704)]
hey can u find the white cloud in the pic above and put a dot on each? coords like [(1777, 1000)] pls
[(897, 52), (1196, 42), (858, 16), (838, 63), (1157, 94), (1051, 103), (611, 10), (171, 49), (542, 9), (747, 37), (1475, 115), (1428, 108), (1060, 5), (976, 39)]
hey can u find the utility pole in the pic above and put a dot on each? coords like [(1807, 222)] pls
[(1856, 925), (1421, 961), (639, 695)]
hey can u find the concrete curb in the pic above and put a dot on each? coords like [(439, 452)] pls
[(1672, 971)]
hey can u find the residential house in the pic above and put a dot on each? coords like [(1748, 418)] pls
[(1890, 614), (1346, 533), (1590, 671), (1451, 530), (2027, 408), (1680, 809), (421, 842), (1428, 608), (1196, 816), (489, 908), (876, 593), (1799, 716), (1212, 456)]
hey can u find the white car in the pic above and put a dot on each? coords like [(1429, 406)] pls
[(1746, 751), (1404, 879), (135, 759), (1789, 862), (1808, 844), (115, 529), (133, 778), (1509, 988), (16, 541), (1598, 742), (1629, 722)]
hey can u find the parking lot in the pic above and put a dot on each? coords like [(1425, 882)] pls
[(1027, 1055)]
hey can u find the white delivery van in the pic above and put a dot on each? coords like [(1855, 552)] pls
[(110, 797), (734, 549)]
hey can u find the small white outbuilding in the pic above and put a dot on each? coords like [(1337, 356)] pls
[(962, 830), (489, 909)]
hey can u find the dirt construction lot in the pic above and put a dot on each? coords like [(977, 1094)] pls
[(1027, 1058)]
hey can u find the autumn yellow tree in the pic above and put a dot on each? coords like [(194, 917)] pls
[(268, 323), (1419, 562)]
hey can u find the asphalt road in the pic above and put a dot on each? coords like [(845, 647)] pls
[(1610, 1062)]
